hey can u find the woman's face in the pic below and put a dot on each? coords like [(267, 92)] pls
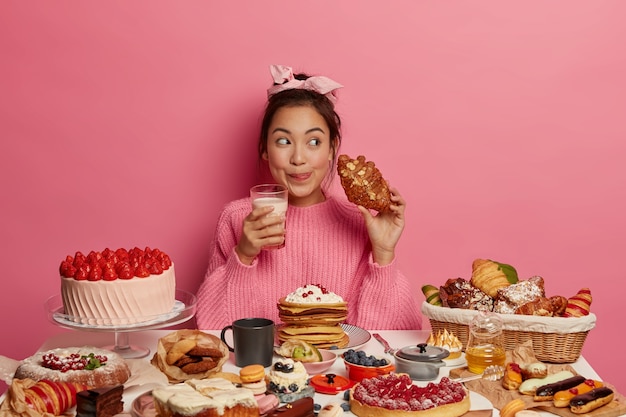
[(299, 153)]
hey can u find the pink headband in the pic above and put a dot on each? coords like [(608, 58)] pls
[(283, 77)]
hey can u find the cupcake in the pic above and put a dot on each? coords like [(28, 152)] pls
[(289, 380)]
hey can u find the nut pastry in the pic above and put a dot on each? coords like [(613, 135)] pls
[(363, 183)]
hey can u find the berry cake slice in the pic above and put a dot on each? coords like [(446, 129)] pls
[(87, 365), (394, 395)]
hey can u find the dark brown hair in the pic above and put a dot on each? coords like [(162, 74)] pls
[(301, 97)]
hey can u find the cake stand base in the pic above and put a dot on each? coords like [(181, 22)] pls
[(127, 351)]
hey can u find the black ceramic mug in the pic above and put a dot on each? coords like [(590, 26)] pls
[(253, 341)]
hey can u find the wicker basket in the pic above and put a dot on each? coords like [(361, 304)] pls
[(554, 339)]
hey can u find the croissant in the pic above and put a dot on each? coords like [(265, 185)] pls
[(579, 305), (538, 307), (559, 304), (489, 276), (363, 183), (52, 397)]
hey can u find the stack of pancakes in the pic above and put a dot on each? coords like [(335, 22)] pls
[(318, 324)]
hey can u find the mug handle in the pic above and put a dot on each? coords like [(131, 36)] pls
[(224, 339)]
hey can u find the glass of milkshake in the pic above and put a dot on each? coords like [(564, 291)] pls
[(275, 195)]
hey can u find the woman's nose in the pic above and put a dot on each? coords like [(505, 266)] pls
[(297, 157)]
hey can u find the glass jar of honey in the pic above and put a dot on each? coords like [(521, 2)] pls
[(485, 344)]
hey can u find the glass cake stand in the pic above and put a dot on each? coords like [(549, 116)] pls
[(183, 310)]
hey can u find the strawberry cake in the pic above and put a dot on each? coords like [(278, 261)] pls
[(118, 287), (395, 395)]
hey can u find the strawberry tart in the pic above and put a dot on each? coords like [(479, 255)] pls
[(394, 395), (118, 287)]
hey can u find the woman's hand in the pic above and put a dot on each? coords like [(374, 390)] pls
[(259, 229), (385, 228)]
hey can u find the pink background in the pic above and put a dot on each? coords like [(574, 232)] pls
[(130, 123)]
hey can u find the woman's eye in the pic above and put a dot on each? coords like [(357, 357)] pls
[(315, 142), (282, 141)]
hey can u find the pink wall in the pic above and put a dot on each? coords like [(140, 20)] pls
[(130, 123)]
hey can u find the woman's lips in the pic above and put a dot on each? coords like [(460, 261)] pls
[(300, 177)]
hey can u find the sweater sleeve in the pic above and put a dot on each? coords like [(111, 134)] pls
[(386, 300), (225, 273)]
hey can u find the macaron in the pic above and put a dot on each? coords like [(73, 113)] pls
[(266, 402), (252, 373), (257, 387)]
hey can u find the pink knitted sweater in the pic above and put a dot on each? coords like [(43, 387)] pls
[(325, 244)]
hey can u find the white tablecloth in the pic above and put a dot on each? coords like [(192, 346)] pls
[(396, 339)]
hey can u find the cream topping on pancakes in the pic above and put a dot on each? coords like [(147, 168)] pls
[(313, 294)]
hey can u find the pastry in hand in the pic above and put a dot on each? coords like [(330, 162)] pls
[(363, 183)]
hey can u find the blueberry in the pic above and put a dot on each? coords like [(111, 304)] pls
[(345, 407), (346, 395), (317, 407), (293, 387)]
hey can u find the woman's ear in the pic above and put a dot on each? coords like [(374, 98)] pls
[(264, 155), (333, 152)]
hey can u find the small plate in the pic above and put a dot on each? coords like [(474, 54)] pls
[(357, 337), (460, 361), (143, 406)]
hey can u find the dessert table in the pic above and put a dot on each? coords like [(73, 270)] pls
[(396, 338)]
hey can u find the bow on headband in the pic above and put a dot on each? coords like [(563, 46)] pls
[(283, 77)]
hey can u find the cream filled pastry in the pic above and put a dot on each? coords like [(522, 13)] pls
[(289, 380)]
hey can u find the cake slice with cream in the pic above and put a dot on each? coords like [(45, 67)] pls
[(210, 397)]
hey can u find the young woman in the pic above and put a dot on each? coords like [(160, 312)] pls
[(328, 240)]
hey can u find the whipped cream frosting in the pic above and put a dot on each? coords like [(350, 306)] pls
[(298, 376), (313, 294), (119, 302)]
